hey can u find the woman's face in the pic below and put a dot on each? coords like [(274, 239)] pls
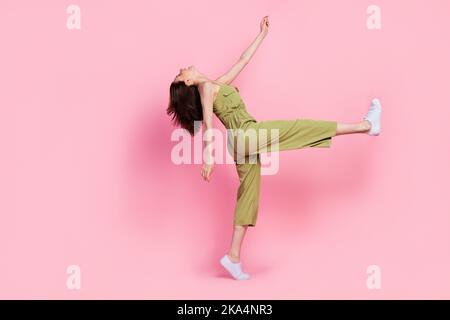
[(187, 75)]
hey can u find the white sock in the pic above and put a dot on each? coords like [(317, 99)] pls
[(234, 268), (374, 117)]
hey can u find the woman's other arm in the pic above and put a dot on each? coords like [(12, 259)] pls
[(206, 91)]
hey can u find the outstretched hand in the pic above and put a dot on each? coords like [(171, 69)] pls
[(264, 25)]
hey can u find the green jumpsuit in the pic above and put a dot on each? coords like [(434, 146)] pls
[(298, 133)]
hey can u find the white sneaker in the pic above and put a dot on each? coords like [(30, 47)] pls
[(374, 117), (234, 268)]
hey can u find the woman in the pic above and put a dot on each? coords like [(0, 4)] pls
[(195, 97)]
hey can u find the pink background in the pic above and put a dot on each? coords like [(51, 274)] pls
[(87, 177)]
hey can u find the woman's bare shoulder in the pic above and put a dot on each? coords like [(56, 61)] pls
[(210, 86)]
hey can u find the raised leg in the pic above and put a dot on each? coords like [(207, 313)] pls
[(358, 127)]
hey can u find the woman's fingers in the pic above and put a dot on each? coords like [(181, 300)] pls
[(265, 24), (206, 172)]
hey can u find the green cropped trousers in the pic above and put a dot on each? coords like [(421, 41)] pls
[(290, 134)]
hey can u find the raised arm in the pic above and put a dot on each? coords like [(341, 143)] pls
[(246, 55)]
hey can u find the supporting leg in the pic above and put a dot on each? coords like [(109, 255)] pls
[(236, 243), (231, 261)]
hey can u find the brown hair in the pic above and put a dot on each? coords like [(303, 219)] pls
[(185, 106)]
